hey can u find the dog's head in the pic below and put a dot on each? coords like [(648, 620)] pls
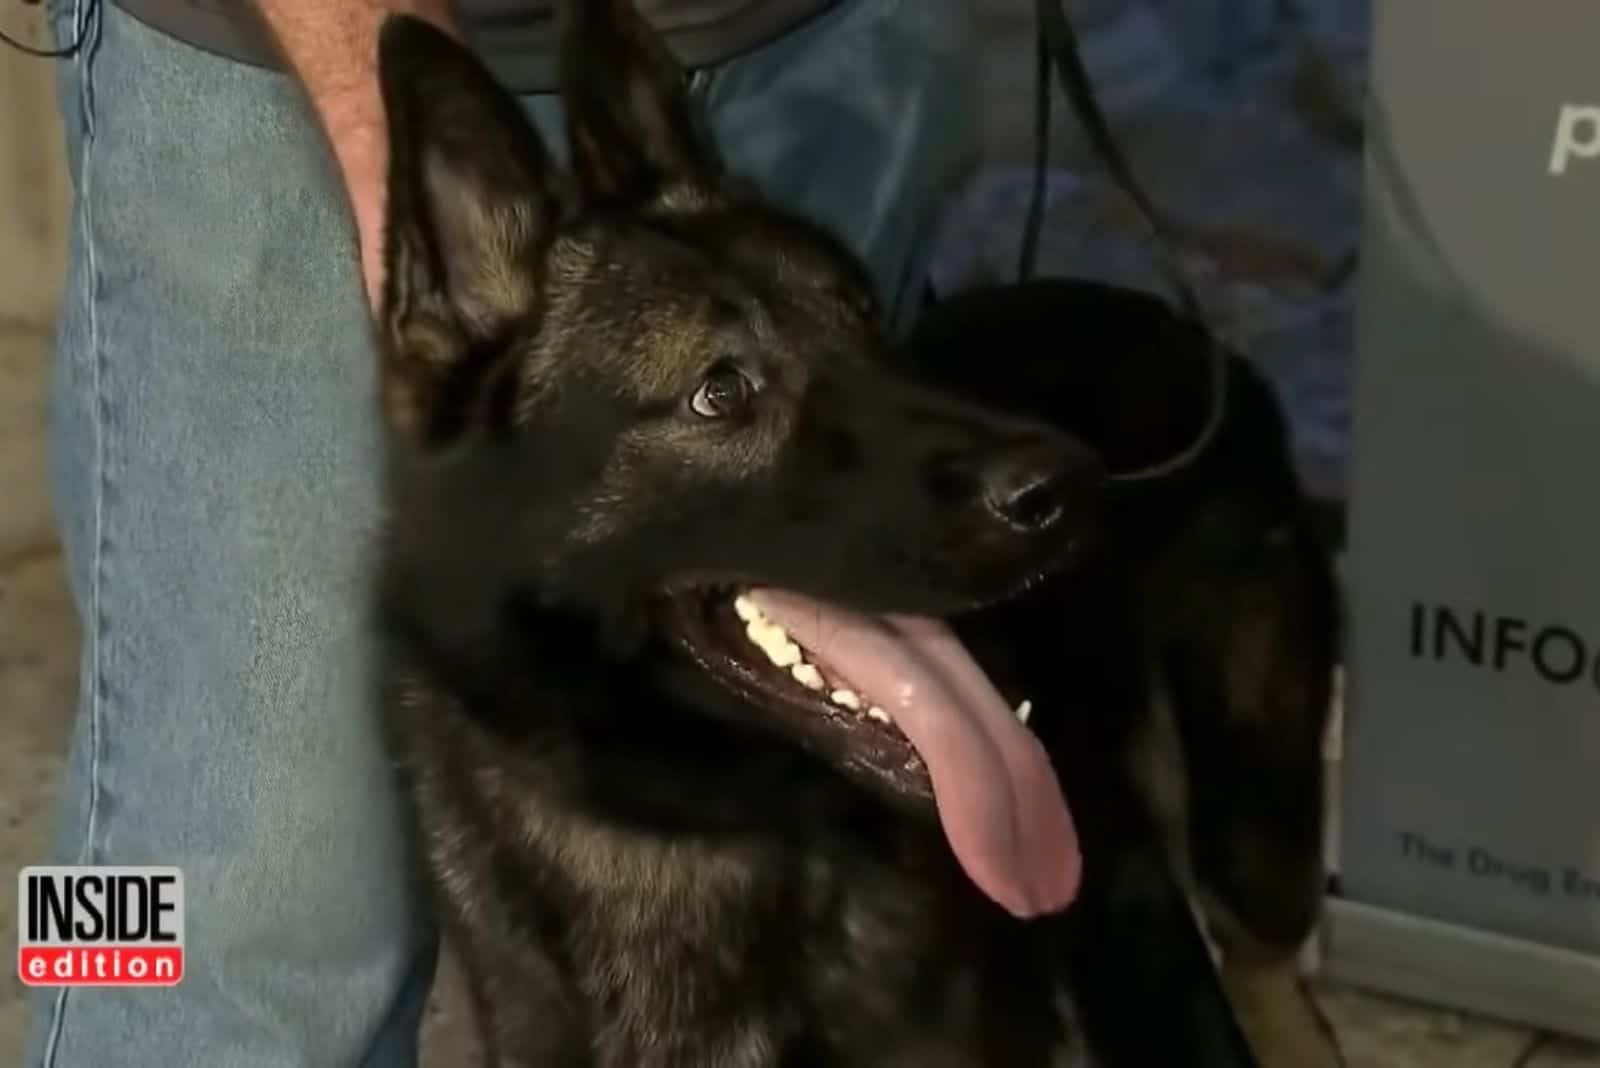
[(630, 388)]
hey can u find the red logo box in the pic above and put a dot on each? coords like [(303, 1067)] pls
[(100, 926)]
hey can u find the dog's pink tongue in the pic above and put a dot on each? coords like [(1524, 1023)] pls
[(998, 798)]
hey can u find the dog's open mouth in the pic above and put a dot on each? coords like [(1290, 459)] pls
[(901, 698)]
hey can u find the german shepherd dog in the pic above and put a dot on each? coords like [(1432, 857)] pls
[(711, 617)]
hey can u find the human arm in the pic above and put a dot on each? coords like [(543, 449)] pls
[(332, 48)]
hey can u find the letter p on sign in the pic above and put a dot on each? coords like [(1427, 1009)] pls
[(1577, 135)]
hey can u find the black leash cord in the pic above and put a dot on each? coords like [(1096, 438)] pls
[(1058, 47), (66, 52)]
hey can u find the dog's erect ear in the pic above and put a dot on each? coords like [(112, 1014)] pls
[(472, 199), (630, 126)]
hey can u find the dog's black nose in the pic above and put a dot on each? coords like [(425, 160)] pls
[(1031, 488)]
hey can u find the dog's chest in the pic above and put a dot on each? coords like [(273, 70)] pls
[(773, 951), (732, 975)]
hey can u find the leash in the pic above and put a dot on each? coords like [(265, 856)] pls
[(66, 52), (1057, 50)]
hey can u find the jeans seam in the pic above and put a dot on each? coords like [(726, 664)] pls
[(86, 28)]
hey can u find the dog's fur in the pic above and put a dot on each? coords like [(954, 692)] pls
[(640, 866)]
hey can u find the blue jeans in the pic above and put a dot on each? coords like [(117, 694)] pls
[(214, 460)]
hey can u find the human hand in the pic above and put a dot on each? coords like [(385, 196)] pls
[(362, 152), (332, 47)]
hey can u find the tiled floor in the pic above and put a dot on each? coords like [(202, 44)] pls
[(38, 634)]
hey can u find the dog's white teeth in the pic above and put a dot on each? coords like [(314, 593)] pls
[(746, 609), (808, 676), (1024, 710), (779, 648), (785, 655), (846, 699), (774, 641)]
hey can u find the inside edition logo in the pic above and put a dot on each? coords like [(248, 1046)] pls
[(100, 926)]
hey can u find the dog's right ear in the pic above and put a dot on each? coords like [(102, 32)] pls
[(631, 126), (472, 200)]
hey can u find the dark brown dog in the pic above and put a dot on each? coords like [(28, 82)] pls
[(677, 557)]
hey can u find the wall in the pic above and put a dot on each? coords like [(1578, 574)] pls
[(34, 194)]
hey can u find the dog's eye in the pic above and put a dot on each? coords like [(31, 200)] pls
[(724, 392)]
